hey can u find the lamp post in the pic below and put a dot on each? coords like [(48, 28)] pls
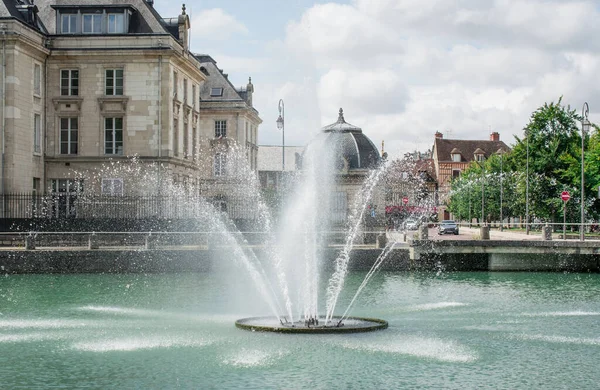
[(585, 127), (482, 196), (527, 187), (281, 126), (501, 153)]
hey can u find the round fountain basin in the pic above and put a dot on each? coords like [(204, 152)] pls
[(349, 325)]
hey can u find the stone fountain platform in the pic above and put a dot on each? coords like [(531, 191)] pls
[(349, 325)]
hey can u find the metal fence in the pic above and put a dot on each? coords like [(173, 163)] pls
[(80, 206)]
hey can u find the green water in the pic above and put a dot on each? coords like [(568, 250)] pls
[(451, 331)]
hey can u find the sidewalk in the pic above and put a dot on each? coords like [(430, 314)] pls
[(496, 234)]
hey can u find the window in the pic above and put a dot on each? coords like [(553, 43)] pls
[(216, 92), (194, 143), (69, 82), (220, 129), (175, 137), (194, 95), (113, 136), (68, 135), (37, 133), (37, 79), (185, 91), (456, 157), (455, 173), (37, 186), (114, 82), (69, 23), (116, 24), (220, 164), (186, 146), (112, 186), (64, 196), (479, 157), (175, 86), (92, 23)]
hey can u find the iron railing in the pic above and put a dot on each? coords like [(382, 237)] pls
[(76, 205)]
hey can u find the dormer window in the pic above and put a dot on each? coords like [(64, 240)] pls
[(456, 155), (93, 19), (116, 24), (479, 155), (92, 23), (69, 23), (216, 92)]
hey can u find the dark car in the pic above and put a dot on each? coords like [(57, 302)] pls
[(448, 226)]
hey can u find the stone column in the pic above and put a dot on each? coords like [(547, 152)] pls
[(30, 242), (547, 233), (93, 241), (485, 232), (423, 232)]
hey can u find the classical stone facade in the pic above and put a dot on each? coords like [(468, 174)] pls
[(88, 84), (228, 125)]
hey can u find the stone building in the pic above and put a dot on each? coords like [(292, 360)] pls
[(228, 125), (88, 84), (452, 156), (355, 156)]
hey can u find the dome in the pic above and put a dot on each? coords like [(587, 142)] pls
[(356, 150)]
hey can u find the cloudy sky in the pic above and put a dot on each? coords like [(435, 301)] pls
[(402, 69)]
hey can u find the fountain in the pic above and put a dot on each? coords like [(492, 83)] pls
[(296, 257)]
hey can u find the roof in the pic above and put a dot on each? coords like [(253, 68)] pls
[(23, 10), (144, 20), (341, 125), (270, 158), (423, 168), (443, 148), (349, 143), (215, 78)]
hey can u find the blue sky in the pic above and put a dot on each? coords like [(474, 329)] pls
[(402, 69)]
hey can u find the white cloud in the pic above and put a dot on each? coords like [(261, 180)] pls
[(403, 69), (216, 24)]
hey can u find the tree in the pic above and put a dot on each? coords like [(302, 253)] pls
[(552, 139)]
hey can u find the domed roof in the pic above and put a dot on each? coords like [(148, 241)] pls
[(354, 147)]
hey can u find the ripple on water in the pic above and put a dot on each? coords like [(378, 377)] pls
[(48, 323), (437, 305), (246, 357), (420, 347), (152, 313), (26, 337), (559, 339), (575, 313), (139, 343)]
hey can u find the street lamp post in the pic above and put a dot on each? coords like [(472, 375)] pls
[(501, 153), (527, 187), (281, 126), (482, 196), (585, 127)]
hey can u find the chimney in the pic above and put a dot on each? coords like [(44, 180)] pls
[(439, 135), (495, 136)]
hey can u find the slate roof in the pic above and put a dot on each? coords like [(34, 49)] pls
[(443, 148), (217, 79), (349, 142), (146, 20)]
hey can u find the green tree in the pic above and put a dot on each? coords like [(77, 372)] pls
[(552, 139)]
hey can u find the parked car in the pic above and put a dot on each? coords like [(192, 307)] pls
[(447, 226), (411, 224)]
